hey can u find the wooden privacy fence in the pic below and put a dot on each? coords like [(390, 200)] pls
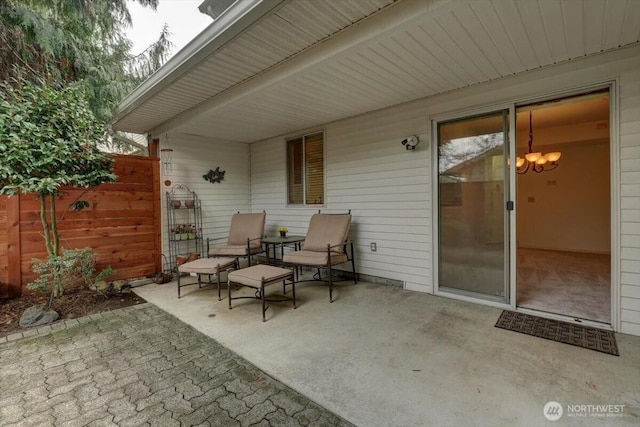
[(121, 224)]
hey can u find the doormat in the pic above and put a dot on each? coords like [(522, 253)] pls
[(565, 332)]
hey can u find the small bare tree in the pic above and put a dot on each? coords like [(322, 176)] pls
[(48, 139)]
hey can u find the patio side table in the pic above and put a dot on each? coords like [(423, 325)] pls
[(276, 241)]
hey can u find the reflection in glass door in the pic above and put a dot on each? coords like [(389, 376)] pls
[(473, 223)]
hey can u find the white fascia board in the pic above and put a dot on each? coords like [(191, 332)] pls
[(240, 16)]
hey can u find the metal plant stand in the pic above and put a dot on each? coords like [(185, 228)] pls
[(184, 226)]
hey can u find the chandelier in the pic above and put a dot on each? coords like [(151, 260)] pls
[(535, 160)]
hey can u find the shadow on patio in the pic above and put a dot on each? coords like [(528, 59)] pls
[(381, 356)]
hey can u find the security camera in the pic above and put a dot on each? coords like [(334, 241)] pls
[(411, 142)]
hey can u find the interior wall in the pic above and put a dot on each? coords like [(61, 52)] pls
[(569, 208), (192, 158)]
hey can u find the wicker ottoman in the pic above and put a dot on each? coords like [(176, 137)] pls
[(206, 266), (259, 276)]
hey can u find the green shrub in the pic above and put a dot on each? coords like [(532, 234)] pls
[(73, 266)]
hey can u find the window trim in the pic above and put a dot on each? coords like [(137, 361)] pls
[(303, 137)]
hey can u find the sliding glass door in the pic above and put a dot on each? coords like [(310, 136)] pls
[(473, 228)]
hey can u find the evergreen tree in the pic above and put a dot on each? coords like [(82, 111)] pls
[(76, 41), (64, 67)]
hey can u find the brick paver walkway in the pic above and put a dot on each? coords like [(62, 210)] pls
[(141, 366)]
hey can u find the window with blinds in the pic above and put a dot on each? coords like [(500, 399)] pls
[(305, 169)]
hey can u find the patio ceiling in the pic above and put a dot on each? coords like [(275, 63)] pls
[(304, 63)]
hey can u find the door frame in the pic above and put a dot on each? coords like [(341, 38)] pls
[(509, 218), (614, 153), (614, 172)]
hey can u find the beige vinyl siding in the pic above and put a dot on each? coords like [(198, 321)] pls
[(630, 201), (370, 172), (268, 176), (193, 157), (389, 189), (269, 189)]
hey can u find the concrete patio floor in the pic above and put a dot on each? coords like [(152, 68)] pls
[(382, 356)]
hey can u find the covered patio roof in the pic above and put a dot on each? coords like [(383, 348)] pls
[(271, 67)]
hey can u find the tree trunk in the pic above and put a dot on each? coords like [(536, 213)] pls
[(58, 286), (45, 224), (54, 226), (51, 240)]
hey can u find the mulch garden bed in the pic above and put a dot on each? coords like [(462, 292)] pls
[(76, 302)]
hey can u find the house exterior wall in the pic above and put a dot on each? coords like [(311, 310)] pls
[(192, 158), (629, 192), (390, 189), (368, 171)]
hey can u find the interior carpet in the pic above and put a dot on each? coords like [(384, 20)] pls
[(565, 332)]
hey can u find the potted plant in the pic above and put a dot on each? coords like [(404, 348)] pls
[(191, 232), (283, 231), (184, 232)]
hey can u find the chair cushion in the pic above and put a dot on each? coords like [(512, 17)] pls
[(234, 250), (247, 226), (327, 229), (206, 265), (306, 257), (256, 275)]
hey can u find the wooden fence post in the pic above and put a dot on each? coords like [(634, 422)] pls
[(154, 147), (157, 203)]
